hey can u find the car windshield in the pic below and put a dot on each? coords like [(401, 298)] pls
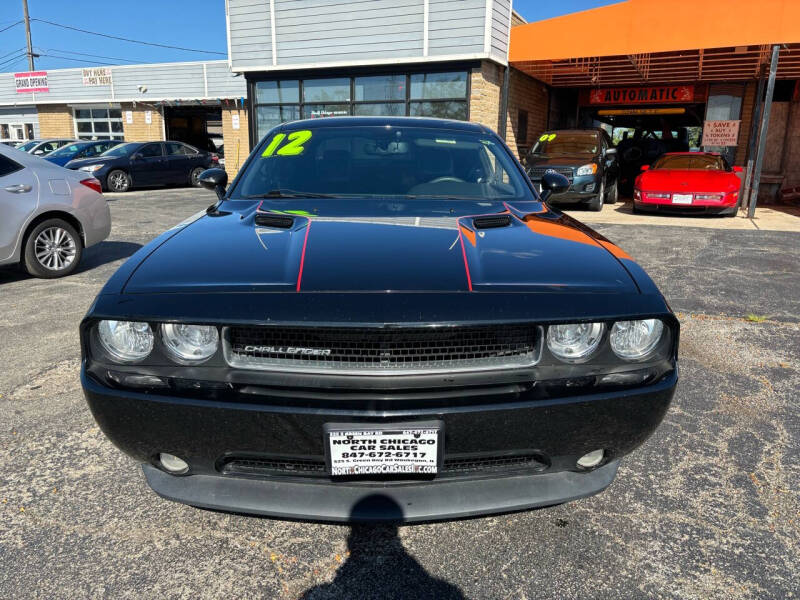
[(571, 142), (27, 146), (121, 150), (66, 150), (691, 162), (380, 161)]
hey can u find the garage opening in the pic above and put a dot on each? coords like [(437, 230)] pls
[(199, 126)]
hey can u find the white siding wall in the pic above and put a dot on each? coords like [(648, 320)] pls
[(168, 81), (316, 33), (501, 28)]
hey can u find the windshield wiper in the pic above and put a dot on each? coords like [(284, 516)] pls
[(284, 193)]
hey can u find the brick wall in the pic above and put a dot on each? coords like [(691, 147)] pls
[(524, 93), (528, 94), (55, 120), (237, 141), (139, 130), (484, 101)]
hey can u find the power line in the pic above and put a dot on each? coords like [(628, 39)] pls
[(90, 55), (114, 37), (12, 52), (10, 26), (80, 60), (12, 59)]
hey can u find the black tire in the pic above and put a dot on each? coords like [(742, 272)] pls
[(194, 176), (596, 203), (612, 196), (52, 249), (118, 181)]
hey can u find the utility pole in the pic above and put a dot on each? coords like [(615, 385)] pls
[(31, 66)]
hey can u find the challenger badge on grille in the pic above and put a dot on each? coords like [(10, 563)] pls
[(288, 350)]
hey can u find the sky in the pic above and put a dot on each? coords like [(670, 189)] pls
[(194, 24)]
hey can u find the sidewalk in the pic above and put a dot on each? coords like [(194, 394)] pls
[(769, 218)]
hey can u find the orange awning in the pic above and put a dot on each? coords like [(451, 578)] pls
[(640, 41)]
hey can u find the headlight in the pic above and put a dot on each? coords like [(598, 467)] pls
[(90, 168), (575, 340), (190, 342), (635, 339), (587, 170), (126, 341)]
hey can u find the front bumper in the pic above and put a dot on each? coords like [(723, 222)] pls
[(206, 433)]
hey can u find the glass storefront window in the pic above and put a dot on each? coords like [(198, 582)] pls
[(268, 117), (442, 95), (380, 88), (278, 92), (326, 90), (385, 109), (318, 111), (439, 110), (431, 86)]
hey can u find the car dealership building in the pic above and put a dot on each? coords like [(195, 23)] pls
[(632, 64)]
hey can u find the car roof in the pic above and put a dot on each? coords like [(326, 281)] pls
[(425, 122)]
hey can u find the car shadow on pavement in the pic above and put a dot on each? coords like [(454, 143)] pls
[(106, 252), (93, 257), (377, 564)]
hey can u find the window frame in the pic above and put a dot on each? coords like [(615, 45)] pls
[(353, 74), (94, 136)]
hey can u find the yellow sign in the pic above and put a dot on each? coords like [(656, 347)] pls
[(618, 112), (293, 147)]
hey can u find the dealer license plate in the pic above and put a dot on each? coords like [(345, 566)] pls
[(681, 198), (401, 450)]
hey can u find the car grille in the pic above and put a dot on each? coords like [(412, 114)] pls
[(538, 172), (384, 350), (452, 466)]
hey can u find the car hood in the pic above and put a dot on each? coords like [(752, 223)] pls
[(365, 246), (560, 160), (688, 180)]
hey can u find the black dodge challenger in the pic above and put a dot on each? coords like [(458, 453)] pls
[(379, 319)]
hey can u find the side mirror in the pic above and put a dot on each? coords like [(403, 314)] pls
[(611, 152), (738, 170), (136, 156), (553, 183), (645, 167), (214, 179)]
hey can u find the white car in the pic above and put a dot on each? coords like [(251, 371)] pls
[(48, 214)]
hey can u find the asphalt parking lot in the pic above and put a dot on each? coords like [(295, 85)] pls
[(709, 507)]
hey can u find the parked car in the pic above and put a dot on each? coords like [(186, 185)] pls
[(44, 147), (138, 164), (379, 315), (644, 147), (78, 150), (47, 214), (689, 182), (585, 157)]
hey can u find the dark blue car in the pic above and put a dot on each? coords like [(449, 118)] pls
[(80, 150), (145, 164)]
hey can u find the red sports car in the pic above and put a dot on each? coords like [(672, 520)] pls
[(691, 181)]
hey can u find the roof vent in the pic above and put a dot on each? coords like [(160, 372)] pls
[(273, 220), (492, 221)]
